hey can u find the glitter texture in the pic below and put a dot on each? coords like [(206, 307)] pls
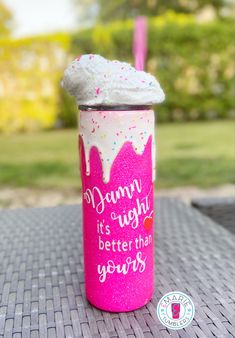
[(117, 181), (119, 127), (94, 80)]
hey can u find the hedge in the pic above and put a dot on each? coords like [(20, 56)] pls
[(193, 61)]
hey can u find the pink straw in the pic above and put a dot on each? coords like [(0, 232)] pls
[(140, 42)]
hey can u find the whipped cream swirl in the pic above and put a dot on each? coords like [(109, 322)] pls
[(94, 80)]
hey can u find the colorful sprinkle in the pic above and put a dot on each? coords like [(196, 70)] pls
[(97, 91)]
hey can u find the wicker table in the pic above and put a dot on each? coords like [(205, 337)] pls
[(42, 287)]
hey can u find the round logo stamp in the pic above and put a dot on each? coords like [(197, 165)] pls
[(175, 310)]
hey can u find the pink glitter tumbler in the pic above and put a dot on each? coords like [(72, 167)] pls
[(117, 162)]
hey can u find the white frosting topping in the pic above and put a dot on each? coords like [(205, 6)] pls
[(109, 130), (94, 80)]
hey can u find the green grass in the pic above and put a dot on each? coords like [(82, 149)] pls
[(200, 153)]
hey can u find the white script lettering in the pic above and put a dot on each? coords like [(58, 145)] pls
[(95, 197), (137, 264)]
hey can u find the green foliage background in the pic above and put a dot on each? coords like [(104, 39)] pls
[(31, 71), (6, 20), (193, 61)]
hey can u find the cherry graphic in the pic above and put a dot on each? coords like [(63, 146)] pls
[(148, 222)]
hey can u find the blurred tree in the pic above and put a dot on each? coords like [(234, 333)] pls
[(5, 20), (104, 10), (87, 10)]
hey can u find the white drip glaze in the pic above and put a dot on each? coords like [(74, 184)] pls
[(109, 130)]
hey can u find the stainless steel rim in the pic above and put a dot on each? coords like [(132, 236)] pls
[(117, 108)]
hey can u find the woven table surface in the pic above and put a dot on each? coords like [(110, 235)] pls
[(42, 285)]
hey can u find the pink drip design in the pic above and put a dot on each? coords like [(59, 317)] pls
[(118, 280)]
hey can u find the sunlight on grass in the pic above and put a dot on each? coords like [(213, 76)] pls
[(200, 153)]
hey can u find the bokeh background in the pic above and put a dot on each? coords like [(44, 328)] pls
[(190, 50)]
